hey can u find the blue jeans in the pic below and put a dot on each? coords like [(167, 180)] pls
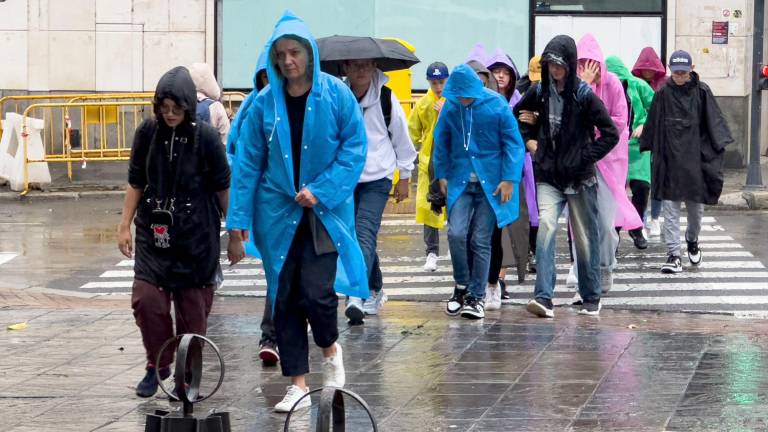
[(583, 216), (370, 201), (471, 211)]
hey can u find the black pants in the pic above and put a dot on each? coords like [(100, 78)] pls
[(305, 293), (534, 231), (267, 324), (640, 192), (497, 257), (432, 240)]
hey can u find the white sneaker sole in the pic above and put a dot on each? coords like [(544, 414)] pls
[(588, 313), (473, 315), (670, 270), (305, 403)]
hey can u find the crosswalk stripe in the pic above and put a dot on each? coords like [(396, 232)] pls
[(6, 257), (390, 270), (397, 282)]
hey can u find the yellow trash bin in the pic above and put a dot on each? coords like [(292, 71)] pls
[(400, 83)]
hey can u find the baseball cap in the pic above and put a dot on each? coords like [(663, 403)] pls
[(534, 69), (680, 61), (437, 70)]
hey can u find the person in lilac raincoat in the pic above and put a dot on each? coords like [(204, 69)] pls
[(510, 246), (615, 210)]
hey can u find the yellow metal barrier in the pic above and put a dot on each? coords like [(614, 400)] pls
[(101, 114)]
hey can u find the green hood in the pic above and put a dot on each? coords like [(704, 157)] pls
[(616, 66)]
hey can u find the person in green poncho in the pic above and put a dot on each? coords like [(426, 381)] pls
[(639, 98)]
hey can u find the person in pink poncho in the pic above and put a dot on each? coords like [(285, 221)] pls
[(615, 210)]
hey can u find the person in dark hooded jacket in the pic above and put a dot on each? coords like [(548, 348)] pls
[(178, 189), (565, 150), (687, 135)]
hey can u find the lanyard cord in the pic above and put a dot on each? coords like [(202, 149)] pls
[(464, 135)]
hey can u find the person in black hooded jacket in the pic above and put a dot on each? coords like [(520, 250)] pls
[(565, 148), (687, 133), (178, 190)]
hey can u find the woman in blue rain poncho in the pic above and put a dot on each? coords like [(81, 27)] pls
[(300, 152)]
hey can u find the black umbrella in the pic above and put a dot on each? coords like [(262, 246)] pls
[(389, 55)]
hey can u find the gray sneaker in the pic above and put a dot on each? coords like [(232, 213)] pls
[(373, 304)]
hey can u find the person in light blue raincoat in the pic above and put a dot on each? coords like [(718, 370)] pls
[(300, 152), (478, 158)]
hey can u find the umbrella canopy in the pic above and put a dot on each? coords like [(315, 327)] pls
[(389, 55)]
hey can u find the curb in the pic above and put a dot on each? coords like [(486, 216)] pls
[(49, 196)]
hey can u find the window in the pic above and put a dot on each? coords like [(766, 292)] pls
[(599, 6)]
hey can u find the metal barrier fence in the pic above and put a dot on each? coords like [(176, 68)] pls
[(95, 126), (110, 124)]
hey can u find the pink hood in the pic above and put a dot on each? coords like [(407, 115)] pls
[(615, 165), (649, 60)]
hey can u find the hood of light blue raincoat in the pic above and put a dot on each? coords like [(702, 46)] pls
[(245, 106), (464, 82), (261, 64)]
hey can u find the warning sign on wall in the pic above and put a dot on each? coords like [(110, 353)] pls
[(720, 32)]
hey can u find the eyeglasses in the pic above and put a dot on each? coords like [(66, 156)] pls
[(176, 110)]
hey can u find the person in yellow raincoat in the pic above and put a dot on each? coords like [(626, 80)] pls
[(420, 126)]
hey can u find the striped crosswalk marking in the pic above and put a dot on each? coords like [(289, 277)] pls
[(7, 257), (729, 280)]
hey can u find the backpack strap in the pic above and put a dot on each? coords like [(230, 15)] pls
[(202, 110), (385, 98)]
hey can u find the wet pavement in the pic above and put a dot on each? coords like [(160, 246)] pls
[(419, 370), (75, 365)]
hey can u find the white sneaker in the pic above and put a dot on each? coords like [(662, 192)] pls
[(431, 264), (293, 394), (333, 370), (493, 298), (572, 281), (654, 229), (373, 304)]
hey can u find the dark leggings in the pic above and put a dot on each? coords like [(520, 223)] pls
[(640, 192), (497, 256), (534, 231)]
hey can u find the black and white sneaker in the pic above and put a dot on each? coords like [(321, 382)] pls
[(531, 262), (541, 307), (590, 308), (673, 265), (456, 302), (694, 253), (473, 308)]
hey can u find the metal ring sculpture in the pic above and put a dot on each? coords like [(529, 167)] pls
[(192, 353), (331, 408)]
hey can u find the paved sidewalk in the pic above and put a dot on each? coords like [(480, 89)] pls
[(74, 367)]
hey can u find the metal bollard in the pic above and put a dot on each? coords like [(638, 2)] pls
[(189, 351), (331, 410)]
